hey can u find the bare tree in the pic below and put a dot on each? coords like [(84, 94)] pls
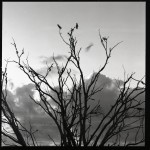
[(73, 114), (20, 135)]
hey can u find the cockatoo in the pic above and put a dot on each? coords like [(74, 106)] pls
[(77, 26)]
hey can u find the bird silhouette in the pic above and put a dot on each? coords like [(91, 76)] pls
[(104, 38), (59, 26), (142, 82), (77, 26)]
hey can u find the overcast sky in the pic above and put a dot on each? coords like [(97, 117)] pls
[(33, 25)]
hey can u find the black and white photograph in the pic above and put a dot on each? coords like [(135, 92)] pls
[(73, 74)]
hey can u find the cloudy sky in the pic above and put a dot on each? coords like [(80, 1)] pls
[(33, 25)]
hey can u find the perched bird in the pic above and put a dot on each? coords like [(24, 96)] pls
[(59, 26), (49, 69), (17, 52), (142, 82), (63, 69), (104, 38), (77, 26)]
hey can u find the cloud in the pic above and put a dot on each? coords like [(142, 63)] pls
[(60, 59), (26, 110), (45, 59), (110, 92), (89, 47), (107, 95), (52, 73), (10, 84), (54, 70), (43, 71)]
